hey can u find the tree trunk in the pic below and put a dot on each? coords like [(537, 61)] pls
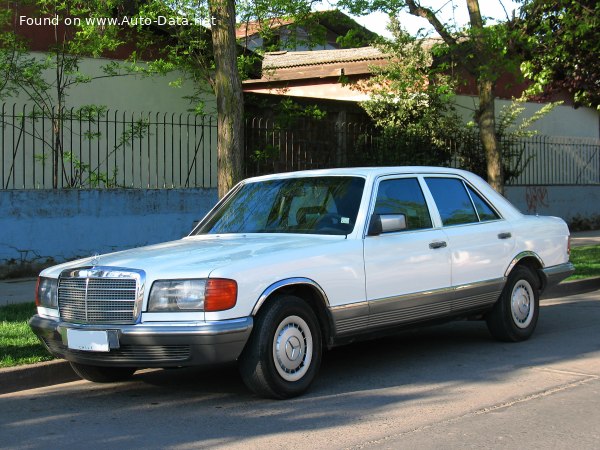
[(486, 118), (228, 90)]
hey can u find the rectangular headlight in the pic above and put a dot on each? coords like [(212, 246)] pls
[(46, 294), (177, 295)]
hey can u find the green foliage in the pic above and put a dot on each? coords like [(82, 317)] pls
[(512, 130), (411, 104), (45, 80), (561, 41)]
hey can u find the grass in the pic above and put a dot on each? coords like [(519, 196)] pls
[(586, 261), (18, 344)]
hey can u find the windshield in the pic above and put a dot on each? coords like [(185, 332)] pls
[(314, 205)]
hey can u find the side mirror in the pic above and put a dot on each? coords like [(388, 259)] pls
[(386, 223)]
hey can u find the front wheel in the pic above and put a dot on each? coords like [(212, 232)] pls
[(100, 374), (283, 355), (515, 315)]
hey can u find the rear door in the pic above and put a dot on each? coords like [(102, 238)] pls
[(480, 241)]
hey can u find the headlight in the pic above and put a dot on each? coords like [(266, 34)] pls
[(46, 293), (192, 295)]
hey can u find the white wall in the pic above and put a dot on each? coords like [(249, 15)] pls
[(561, 121), (131, 93)]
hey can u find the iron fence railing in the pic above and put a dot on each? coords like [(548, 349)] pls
[(104, 149), (312, 144)]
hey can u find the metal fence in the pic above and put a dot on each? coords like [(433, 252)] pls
[(555, 160), (104, 149), (310, 144), (91, 149)]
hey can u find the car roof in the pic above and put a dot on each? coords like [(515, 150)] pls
[(366, 172)]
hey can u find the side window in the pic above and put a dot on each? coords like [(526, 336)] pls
[(483, 209), (452, 200), (404, 196)]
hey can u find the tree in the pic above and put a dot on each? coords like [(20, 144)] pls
[(562, 44), (411, 104), (479, 51), (45, 80), (228, 90), (214, 59)]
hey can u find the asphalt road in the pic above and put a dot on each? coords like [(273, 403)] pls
[(450, 386)]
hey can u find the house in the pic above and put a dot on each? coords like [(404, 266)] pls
[(321, 30), (326, 76)]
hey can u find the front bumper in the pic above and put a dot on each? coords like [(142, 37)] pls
[(143, 345)]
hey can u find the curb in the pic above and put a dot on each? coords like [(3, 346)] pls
[(572, 288), (49, 373), (32, 376)]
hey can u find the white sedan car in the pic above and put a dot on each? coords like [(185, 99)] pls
[(288, 265)]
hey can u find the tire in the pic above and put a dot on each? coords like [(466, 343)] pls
[(515, 315), (100, 374), (283, 354)]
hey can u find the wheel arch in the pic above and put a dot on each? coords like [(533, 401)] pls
[(309, 291), (533, 262)]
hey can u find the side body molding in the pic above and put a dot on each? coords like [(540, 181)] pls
[(286, 283)]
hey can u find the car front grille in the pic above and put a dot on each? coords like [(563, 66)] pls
[(92, 300)]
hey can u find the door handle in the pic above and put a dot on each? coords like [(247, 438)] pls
[(504, 236), (437, 244)]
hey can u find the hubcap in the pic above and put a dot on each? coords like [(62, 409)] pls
[(292, 348), (522, 304)]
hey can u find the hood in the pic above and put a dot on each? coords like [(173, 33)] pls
[(197, 256)]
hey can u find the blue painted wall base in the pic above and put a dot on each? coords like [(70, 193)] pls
[(66, 224)]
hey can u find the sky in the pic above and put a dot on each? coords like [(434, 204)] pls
[(450, 11)]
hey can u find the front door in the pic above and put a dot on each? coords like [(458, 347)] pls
[(408, 272)]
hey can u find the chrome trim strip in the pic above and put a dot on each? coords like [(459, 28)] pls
[(519, 257), (288, 282), (166, 329), (417, 306)]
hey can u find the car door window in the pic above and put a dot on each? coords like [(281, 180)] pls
[(484, 210), (404, 196), (453, 201)]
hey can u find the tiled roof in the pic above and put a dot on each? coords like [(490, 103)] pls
[(247, 29), (279, 60)]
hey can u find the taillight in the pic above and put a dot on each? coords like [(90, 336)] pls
[(220, 294)]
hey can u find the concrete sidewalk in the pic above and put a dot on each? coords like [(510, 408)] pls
[(20, 290)]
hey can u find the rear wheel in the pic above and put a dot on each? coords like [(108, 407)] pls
[(283, 355), (100, 374), (515, 315)]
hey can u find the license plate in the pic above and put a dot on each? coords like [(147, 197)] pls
[(88, 340)]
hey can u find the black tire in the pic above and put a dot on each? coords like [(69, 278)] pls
[(283, 354), (100, 374), (515, 314)]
